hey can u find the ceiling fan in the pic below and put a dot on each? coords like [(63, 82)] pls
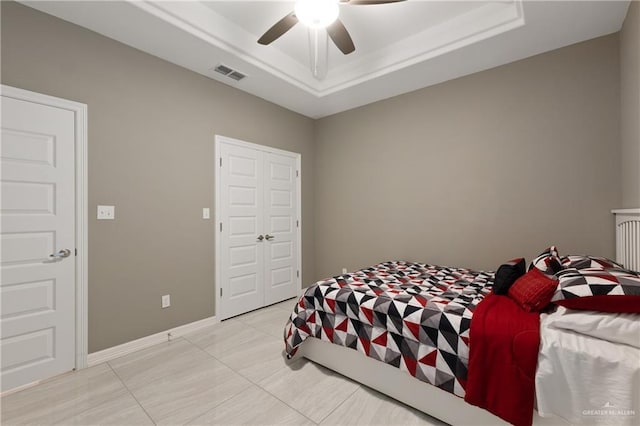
[(319, 14)]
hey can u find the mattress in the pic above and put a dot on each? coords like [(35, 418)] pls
[(413, 316), (584, 379)]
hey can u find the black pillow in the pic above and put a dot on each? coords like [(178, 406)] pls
[(507, 274)]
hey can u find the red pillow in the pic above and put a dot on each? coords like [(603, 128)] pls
[(533, 291)]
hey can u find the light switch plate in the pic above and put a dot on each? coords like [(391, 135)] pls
[(206, 213), (106, 212), (166, 301)]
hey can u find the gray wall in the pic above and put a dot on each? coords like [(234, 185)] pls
[(151, 154), (630, 112), (470, 172), (477, 170)]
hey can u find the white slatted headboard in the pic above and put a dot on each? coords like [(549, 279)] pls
[(628, 238)]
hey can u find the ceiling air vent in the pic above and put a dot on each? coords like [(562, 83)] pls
[(229, 72), (237, 76)]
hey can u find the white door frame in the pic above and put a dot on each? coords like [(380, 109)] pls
[(219, 139), (81, 203)]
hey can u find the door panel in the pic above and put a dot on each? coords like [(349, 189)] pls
[(26, 248), (240, 213), (243, 255), (28, 198), (38, 218), (280, 223), (27, 298), (281, 276), (281, 250)]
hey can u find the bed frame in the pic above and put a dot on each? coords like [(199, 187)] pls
[(402, 387)]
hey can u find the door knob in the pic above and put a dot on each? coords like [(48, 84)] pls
[(269, 237), (260, 238), (61, 254)]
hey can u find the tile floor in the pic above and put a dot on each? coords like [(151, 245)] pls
[(227, 374)]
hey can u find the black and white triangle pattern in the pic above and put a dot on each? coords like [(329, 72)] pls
[(587, 282)]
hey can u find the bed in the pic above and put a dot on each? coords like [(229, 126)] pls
[(412, 321)]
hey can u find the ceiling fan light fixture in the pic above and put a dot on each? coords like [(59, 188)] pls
[(317, 13)]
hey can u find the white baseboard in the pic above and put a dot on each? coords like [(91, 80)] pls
[(19, 388), (108, 354)]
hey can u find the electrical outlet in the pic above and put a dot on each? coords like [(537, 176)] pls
[(206, 213), (106, 212), (166, 301), (344, 271)]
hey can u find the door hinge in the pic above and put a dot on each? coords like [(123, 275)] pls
[(297, 173), (220, 161), (297, 224), (220, 226), (220, 292), (298, 273), (76, 252)]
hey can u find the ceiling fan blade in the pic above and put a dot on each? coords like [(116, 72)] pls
[(341, 37), (363, 2), (279, 28)]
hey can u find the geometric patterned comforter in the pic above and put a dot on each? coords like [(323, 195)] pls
[(413, 316)]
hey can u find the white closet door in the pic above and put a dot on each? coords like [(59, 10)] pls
[(280, 215), (258, 209), (38, 221), (241, 255)]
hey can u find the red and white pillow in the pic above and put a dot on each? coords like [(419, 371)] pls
[(548, 262), (584, 262), (598, 289), (577, 282)]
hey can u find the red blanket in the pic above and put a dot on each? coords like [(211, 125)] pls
[(503, 354)]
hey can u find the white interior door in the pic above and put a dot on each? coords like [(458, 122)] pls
[(257, 206), (241, 187), (280, 221), (38, 220)]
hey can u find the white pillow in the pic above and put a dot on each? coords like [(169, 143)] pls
[(613, 327)]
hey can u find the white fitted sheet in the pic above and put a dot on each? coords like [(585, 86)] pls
[(586, 380), (613, 327)]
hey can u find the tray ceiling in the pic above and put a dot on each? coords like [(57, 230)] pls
[(400, 47)]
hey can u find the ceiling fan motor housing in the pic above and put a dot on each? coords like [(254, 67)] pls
[(317, 13)]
